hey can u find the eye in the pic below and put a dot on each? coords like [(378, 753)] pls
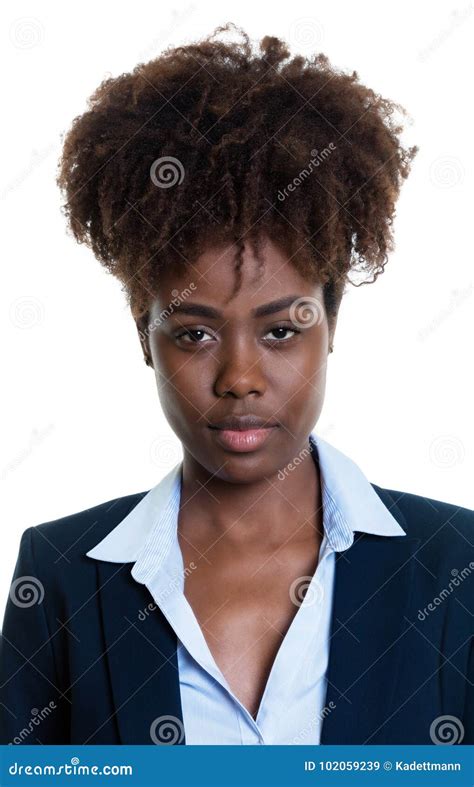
[(191, 334), (194, 335), (284, 329)]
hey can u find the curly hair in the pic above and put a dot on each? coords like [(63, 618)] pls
[(212, 143)]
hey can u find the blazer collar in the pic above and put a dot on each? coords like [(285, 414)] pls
[(350, 505)]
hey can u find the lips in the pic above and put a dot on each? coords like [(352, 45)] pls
[(242, 423), (243, 440)]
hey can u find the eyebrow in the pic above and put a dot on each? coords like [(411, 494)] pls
[(200, 310)]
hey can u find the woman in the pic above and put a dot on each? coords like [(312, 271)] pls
[(263, 592)]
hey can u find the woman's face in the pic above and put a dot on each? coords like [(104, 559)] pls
[(214, 359)]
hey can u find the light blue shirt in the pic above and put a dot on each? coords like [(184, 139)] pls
[(292, 708)]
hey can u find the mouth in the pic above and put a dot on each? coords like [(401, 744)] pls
[(242, 440)]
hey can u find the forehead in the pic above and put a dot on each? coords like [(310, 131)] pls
[(212, 278)]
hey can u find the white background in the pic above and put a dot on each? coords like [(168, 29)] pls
[(81, 422)]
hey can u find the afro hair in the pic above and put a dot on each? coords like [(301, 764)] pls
[(211, 143)]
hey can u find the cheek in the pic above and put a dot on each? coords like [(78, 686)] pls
[(299, 369), (183, 387), (304, 383), (174, 369), (317, 377)]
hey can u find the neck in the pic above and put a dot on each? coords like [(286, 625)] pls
[(271, 511)]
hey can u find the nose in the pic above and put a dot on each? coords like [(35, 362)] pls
[(239, 371)]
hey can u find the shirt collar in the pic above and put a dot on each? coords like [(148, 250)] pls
[(350, 504)]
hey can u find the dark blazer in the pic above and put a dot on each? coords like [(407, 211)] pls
[(89, 671)]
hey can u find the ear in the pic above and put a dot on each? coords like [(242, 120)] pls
[(332, 330), (143, 335)]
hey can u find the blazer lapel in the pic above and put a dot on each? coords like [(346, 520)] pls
[(371, 596), (142, 659), (372, 592)]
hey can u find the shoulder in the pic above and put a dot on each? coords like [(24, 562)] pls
[(444, 529), (73, 535)]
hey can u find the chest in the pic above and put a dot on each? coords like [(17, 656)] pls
[(245, 601)]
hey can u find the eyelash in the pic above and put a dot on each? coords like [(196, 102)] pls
[(190, 331)]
